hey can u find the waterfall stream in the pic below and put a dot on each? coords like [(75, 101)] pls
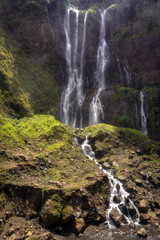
[(119, 198), (96, 109), (143, 115), (73, 95)]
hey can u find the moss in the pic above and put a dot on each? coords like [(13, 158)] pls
[(26, 76), (125, 120)]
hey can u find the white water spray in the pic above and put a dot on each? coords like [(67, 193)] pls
[(73, 95), (96, 110), (117, 190), (143, 115)]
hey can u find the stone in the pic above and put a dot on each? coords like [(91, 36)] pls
[(106, 165), (116, 199), (132, 225), (12, 237), (29, 234), (11, 231), (144, 218), (79, 225), (116, 217), (142, 233), (114, 164), (143, 206), (138, 182), (123, 209), (67, 215), (121, 178), (51, 213)]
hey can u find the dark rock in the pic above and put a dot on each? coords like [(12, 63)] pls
[(142, 233), (124, 209), (67, 215), (78, 226), (117, 199), (106, 165), (50, 213), (138, 182), (116, 217), (143, 206)]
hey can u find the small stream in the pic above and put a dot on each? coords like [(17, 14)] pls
[(119, 198)]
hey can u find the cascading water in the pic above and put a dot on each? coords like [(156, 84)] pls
[(128, 78), (96, 109), (73, 95), (119, 69), (123, 204), (143, 115)]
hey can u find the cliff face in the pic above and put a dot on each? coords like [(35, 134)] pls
[(27, 59), (33, 65)]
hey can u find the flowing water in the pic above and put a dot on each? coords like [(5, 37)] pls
[(128, 78), (73, 94), (119, 198), (119, 69), (143, 115), (96, 110)]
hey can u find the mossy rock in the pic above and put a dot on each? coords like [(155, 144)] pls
[(67, 215), (51, 213), (81, 138)]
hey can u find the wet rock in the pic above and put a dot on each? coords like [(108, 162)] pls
[(106, 165), (124, 209), (78, 226), (116, 217), (132, 225), (50, 213), (67, 215), (117, 199), (143, 206), (118, 187), (142, 233)]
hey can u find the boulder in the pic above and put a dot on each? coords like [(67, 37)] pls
[(50, 213), (138, 182), (121, 178), (79, 225), (116, 217), (142, 233), (114, 164), (142, 206), (106, 165), (67, 215), (124, 209), (117, 199)]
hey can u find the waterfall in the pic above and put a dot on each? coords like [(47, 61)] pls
[(143, 115), (73, 95), (119, 69), (128, 78), (96, 109), (124, 204)]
